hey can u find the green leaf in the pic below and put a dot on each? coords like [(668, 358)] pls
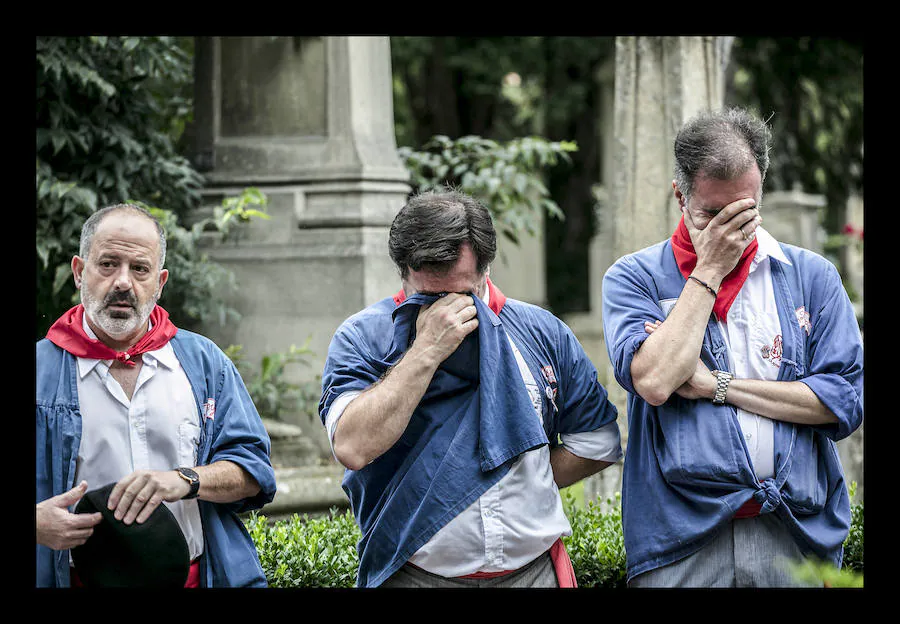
[(62, 275)]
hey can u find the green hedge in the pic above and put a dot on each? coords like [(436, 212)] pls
[(321, 552)]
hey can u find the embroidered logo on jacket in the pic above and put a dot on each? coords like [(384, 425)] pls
[(209, 410), (548, 374), (803, 319), (772, 352)]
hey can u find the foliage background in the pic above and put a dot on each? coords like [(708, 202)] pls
[(110, 113), (114, 117), (811, 89)]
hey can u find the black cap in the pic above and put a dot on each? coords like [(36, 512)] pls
[(150, 554)]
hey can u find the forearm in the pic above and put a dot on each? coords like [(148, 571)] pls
[(225, 482), (668, 358), (374, 421), (789, 401), (569, 468)]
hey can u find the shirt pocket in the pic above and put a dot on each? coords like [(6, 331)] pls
[(188, 443)]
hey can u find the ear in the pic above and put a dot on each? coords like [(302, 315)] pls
[(163, 278), (679, 195), (77, 270)]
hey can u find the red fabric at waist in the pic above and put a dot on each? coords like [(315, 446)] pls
[(193, 578), (750, 509)]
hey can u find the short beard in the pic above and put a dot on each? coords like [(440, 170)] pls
[(115, 327)]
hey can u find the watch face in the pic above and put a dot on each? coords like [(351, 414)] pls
[(190, 474)]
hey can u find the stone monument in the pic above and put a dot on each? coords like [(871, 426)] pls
[(309, 122)]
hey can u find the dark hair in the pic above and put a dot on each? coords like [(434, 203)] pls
[(722, 145), (93, 222), (430, 229)]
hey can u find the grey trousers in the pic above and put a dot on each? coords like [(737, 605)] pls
[(749, 552), (538, 573)]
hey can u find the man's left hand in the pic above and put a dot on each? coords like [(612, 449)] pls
[(136, 496)]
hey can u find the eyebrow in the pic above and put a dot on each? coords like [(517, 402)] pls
[(114, 256)]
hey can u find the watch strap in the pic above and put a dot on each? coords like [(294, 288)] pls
[(193, 479)]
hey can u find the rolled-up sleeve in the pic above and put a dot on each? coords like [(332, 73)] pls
[(603, 444), (335, 410), (835, 356), (627, 304)]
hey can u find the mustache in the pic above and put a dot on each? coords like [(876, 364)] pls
[(121, 297)]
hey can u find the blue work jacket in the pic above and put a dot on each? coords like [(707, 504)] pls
[(234, 433), (687, 468), (474, 420)]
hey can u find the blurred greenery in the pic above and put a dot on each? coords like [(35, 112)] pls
[(506, 177), (811, 90), (110, 111), (499, 88), (272, 390), (114, 114)]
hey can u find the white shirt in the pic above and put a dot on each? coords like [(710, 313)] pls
[(520, 516), (156, 430), (753, 335)]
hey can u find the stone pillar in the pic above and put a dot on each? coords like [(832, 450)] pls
[(794, 217), (519, 270), (309, 121), (659, 82)]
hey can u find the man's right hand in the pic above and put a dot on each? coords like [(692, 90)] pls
[(60, 529), (721, 243), (443, 325)]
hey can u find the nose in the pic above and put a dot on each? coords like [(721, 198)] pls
[(122, 279)]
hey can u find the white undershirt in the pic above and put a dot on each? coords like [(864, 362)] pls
[(753, 334), (156, 430), (518, 518)]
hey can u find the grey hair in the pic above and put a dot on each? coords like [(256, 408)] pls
[(721, 145), (93, 222), (430, 229)]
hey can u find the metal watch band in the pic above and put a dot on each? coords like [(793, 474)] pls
[(722, 380)]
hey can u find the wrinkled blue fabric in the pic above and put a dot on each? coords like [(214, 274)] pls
[(687, 469), (236, 434), (475, 418)]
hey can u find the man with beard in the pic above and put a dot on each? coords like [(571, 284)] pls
[(124, 396)]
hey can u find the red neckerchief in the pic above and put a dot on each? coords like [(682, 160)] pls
[(68, 333), (731, 285), (496, 299)]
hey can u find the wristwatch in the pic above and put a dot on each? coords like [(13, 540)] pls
[(722, 380), (191, 477)]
